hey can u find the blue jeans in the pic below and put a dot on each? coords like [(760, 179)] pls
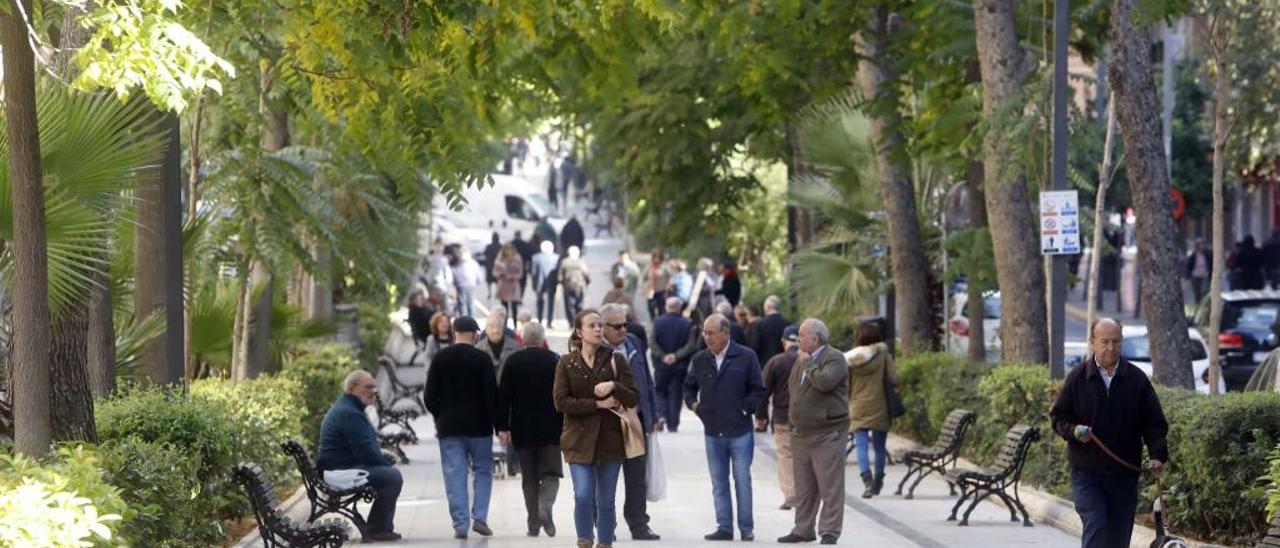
[(1106, 504), (594, 487), (877, 438), (455, 454), (465, 296), (735, 452)]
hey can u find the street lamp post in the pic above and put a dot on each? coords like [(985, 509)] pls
[(1058, 266)]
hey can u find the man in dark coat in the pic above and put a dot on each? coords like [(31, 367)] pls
[(670, 352), (348, 441), (572, 235), (462, 394), (776, 374), (490, 256), (724, 388), (736, 332), (768, 342), (635, 507), (527, 419), (730, 284), (1107, 401)]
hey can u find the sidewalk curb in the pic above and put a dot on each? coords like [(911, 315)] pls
[(254, 538), (1057, 512)]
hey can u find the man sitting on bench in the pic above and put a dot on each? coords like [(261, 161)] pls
[(347, 441)]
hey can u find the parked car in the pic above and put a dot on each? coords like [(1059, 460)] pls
[(958, 324), (448, 232), (1249, 331)]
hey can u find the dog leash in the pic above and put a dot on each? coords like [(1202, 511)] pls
[(1159, 499)]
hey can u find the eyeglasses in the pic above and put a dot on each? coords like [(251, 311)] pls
[(706, 333), (617, 325)]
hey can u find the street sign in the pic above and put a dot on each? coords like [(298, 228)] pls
[(1059, 222)]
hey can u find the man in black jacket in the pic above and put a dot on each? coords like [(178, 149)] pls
[(724, 388), (527, 418), (768, 336), (670, 351), (462, 394), (1108, 402)]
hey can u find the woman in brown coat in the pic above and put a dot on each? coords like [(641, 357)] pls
[(869, 362), (508, 270), (591, 381)]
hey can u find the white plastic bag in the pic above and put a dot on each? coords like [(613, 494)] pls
[(656, 474)]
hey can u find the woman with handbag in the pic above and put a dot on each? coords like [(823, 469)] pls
[(593, 389), (871, 380)]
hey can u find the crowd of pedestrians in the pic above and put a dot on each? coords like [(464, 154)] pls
[(598, 406)]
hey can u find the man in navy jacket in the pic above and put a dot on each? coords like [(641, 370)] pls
[(671, 348), (724, 387), (635, 508), (348, 441)]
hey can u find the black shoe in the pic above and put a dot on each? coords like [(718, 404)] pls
[(828, 538), (879, 483), (870, 485), (644, 533), (533, 532), (792, 538), (747, 536), (719, 534), (459, 534), (482, 528), (550, 527), (785, 506)]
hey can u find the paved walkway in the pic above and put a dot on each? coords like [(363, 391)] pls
[(687, 513)]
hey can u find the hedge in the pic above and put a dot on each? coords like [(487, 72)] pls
[(262, 413), (320, 370), (1214, 486), (62, 501)]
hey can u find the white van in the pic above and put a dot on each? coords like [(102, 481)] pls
[(508, 205)]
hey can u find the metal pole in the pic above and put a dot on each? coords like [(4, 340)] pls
[(1058, 268)]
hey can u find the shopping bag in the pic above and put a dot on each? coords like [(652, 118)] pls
[(656, 474)]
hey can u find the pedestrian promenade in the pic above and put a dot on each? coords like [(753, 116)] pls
[(687, 513)]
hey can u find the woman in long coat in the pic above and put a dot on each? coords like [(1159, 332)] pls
[(869, 362), (592, 381), (508, 270)]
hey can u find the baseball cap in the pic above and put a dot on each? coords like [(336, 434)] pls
[(791, 333), (465, 324)]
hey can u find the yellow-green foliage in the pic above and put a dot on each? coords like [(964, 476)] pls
[(61, 502), (262, 413)]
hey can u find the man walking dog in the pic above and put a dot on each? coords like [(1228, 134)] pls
[(1107, 411)]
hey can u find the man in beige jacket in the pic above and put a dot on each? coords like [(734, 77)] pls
[(819, 415)]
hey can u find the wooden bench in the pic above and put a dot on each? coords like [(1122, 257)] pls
[(997, 480), (277, 529), (399, 390), (324, 498), (939, 456), (400, 418)]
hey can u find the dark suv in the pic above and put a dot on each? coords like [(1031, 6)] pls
[(1250, 329)]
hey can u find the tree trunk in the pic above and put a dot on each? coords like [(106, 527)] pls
[(906, 251), (238, 343), (72, 404), (1221, 133), (189, 363), (1158, 253), (261, 284), (320, 293), (157, 259), (975, 308), (1024, 332), (29, 367), (1099, 209), (101, 360)]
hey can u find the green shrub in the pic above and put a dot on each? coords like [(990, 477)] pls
[(262, 413), (167, 416), (62, 501), (931, 385), (320, 369), (374, 324), (159, 483), (1272, 482), (1218, 449)]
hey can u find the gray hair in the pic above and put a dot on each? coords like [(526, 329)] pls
[(352, 377), (533, 334), (772, 302), (723, 307), (524, 315), (674, 304), (610, 310), (819, 329)]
